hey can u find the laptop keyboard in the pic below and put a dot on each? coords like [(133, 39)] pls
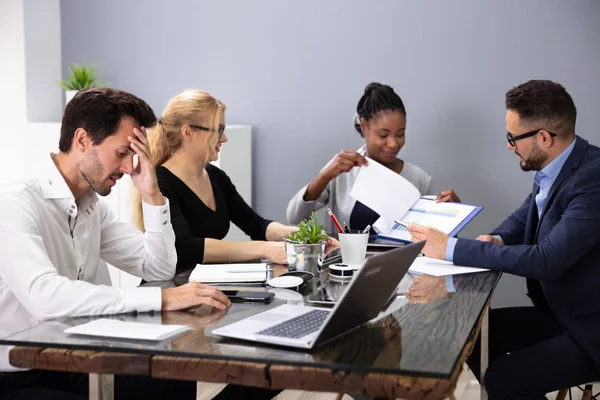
[(299, 326)]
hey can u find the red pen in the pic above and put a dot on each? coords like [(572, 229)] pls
[(335, 221)]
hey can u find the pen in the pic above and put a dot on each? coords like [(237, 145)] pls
[(335, 221), (367, 229), (404, 224), (346, 229)]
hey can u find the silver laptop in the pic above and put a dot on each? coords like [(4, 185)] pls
[(307, 327)]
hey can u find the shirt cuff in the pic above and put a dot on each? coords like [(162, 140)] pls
[(156, 217), (450, 284), (450, 248), (143, 299), (498, 237), (307, 202)]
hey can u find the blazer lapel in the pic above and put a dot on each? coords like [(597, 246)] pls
[(571, 164)]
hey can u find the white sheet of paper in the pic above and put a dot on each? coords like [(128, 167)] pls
[(384, 191), (115, 328), (435, 267)]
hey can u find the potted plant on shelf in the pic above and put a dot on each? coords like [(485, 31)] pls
[(81, 77), (305, 247)]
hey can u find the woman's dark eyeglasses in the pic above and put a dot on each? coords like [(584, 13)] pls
[(512, 139), (203, 128)]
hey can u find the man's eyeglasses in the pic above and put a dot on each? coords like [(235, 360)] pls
[(512, 139), (203, 128)]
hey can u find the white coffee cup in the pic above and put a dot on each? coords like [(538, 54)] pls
[(354, 248)]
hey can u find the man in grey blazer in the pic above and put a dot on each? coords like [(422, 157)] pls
[(553, 239)]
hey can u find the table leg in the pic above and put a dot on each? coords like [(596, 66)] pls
[(484, 349), (102, 386)]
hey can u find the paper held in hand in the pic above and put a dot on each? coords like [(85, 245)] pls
[(384, 191)]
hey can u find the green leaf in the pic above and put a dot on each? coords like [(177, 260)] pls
[(309, 232), (80, 77)]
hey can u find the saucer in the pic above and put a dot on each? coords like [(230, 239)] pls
[(286, 282)]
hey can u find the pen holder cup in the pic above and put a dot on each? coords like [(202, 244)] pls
[(305, 257), (353, 246)]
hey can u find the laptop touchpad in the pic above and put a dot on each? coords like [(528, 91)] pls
[(269, 317)]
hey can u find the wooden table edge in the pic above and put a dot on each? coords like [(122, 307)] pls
[(244, 373)]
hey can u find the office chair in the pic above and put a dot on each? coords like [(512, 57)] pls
[(587, 392)]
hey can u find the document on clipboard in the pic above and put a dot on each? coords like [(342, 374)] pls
[(449, 218)]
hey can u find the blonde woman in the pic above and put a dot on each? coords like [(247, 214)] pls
[(203, 199)]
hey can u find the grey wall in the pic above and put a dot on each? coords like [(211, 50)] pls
[(295, 70)]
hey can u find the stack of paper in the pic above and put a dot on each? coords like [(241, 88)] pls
[(115, 328), (229, 273), (435, 267)]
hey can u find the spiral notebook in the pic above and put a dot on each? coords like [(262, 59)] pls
[(255, 273)]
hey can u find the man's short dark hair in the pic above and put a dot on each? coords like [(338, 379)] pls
[(99, 111), (545, 104)]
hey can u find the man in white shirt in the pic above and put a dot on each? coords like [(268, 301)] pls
[(54, 231)]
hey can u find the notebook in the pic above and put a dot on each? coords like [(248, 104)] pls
[(229, 273), (115, 328)]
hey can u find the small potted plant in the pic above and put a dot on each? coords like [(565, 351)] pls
[(305, 247), (81, 77)]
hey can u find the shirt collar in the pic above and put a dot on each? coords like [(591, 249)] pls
[(55, 187), (550, 172)]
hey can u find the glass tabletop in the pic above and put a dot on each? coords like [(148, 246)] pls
[(421, 333)]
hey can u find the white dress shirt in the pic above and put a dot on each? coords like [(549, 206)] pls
[(50, 247)]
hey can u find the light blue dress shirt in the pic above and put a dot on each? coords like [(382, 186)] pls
[(544, 179)]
